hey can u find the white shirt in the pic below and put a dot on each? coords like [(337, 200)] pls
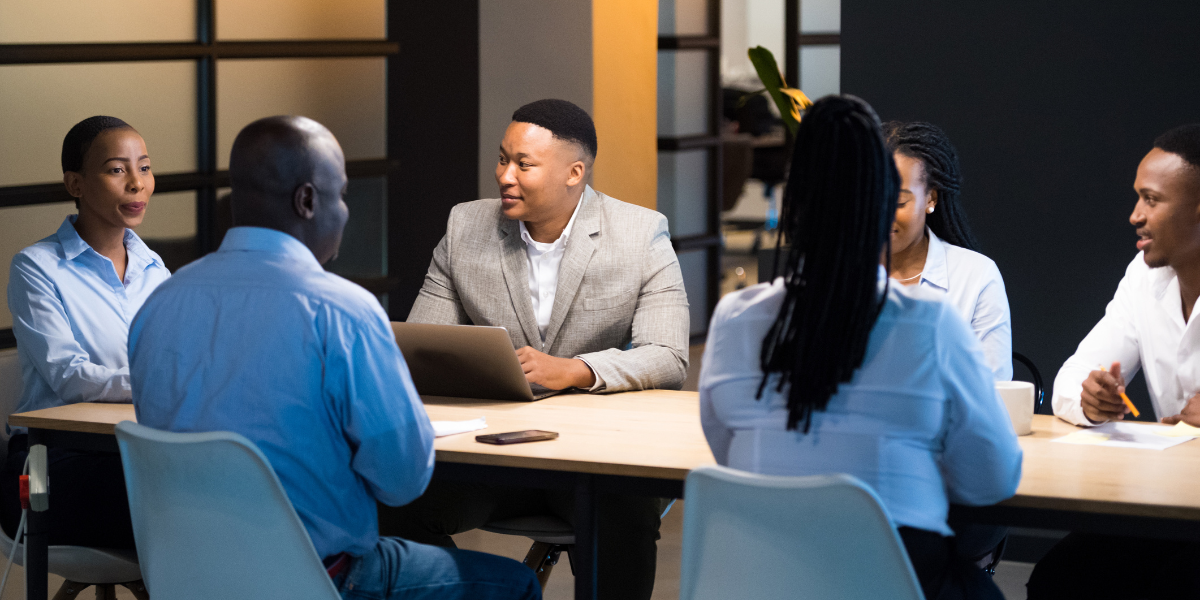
[(973, 285), (544, 259), (920, 421), (1142, 328)]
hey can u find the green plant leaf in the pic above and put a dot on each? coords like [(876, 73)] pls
[(768, 71)]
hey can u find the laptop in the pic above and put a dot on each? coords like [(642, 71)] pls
[(464, 361)]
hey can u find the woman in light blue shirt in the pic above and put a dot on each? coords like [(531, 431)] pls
[(831, 369), (932, 244), (72, 296)]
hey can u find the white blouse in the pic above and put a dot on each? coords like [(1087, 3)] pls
[(920, 421), (973, 285)]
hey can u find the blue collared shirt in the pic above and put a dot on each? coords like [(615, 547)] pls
[(71, 317), (258, 339), (920, 421)]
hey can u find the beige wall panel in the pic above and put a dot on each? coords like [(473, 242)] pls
[(42, 102), (625, 49), (300, 19), (528, 50), (170, 216), (75, 21), (347, 95)]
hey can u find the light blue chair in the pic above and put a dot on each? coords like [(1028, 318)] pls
[(757, 536), (211, 520)]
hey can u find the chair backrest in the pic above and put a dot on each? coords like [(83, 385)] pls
[(211, 519), (758, 536), (10, 392)]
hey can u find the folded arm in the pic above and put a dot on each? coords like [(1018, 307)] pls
[(658, 355), (45, 337)]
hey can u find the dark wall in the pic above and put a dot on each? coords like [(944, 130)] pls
[(1051, 106), (433, 107)]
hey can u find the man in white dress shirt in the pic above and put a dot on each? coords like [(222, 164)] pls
[(1147, 325)]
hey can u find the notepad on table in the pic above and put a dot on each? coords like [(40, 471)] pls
[(1181, 429), (1147, 436), (445, 428)]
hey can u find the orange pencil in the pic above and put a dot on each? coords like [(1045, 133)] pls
[(1133, 409)]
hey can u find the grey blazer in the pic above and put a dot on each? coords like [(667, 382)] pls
[(620, 305)]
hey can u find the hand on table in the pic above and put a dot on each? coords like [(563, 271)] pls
[(555, 373), (1101, 396), (1189, 415)]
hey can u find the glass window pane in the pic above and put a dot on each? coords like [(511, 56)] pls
[(683, 191), (820, 16), (683, 17), (820, 70), (42, 102), (301, 19), (683, 93), (347, 95), (364, 242), (72, 21), (19, 227), (694, 265), (765, 26), (170, 228)]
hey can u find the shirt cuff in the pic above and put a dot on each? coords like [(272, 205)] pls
[(1075, 416), (599, 385)]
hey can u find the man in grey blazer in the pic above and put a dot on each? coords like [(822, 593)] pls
[(591, 294)]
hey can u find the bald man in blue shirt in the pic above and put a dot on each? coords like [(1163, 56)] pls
[(258, 339)]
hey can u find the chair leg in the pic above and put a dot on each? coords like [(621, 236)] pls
[(106, 591), (70, 589), (542, 558), (138, 589)]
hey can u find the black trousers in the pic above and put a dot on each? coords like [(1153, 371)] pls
[(628, 548), (943, 572), (1108, 567), (88, 503)]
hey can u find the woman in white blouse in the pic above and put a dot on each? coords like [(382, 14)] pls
[(932, 245), (831, 369)]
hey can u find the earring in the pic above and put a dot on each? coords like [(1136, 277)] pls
[(929, 210)]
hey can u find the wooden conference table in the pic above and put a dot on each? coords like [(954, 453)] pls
[(645, 443)]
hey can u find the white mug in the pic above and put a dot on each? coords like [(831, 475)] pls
[(1018, 399)]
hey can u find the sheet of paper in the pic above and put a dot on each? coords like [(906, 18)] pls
[(1147, 436), (445, 428), (1181, 429)]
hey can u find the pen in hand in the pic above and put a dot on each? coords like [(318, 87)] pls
[(1128, 403)]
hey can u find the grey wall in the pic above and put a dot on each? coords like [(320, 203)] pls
[(1051, 105), (528, 50)]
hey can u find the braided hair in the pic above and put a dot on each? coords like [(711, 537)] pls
[(837, 215), (927, 143)]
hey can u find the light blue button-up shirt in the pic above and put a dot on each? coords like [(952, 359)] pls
[(258, 339), (920, 421), (71, 317)]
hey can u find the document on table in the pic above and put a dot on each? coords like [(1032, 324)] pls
[(445, 428), (1146, 436)]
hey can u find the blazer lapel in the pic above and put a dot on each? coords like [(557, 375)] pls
[(580, 247), (514, 261)]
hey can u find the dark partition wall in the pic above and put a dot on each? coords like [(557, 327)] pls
[(1051, 105)]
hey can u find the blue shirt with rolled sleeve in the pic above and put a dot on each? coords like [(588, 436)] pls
[(258, 339), (71, 316)]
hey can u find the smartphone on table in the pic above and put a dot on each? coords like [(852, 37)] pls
[(517, 437)]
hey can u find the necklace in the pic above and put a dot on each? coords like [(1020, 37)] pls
[(911, 278)]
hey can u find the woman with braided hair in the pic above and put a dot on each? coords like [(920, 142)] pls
[(932, 245), (834, 368)]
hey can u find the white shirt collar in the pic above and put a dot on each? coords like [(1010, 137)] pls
[(562, 239), (935, 270)]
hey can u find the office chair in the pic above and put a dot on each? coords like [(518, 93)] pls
[(80, 566), (1039, 392), (759, 536), (211, 519)]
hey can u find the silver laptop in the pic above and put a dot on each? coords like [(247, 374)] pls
[(464, 361)]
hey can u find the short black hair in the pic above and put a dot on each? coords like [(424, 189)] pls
[(564, 119), (81, 136), (1184, 141)]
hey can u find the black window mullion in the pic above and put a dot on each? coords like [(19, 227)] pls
[(206, 127)]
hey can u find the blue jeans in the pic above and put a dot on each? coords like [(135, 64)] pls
[(406, 570)]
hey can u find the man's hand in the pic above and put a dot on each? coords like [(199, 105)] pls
[(1101, 396), (1190, 414), (555, 373)]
